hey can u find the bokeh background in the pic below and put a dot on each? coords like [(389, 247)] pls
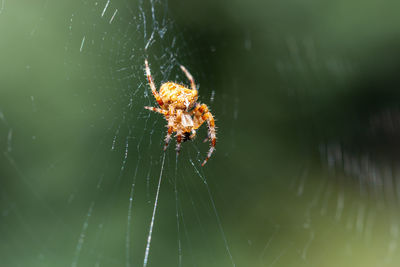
[(306, 96)]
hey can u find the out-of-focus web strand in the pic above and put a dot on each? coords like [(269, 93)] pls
[(129, 218)]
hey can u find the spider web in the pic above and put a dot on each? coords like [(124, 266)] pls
[(135, 31), (128, 203)]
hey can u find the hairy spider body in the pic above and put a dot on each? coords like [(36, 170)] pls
[(177, 95), (183, 113)]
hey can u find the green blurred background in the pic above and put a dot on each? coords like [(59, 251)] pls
[(306, 96)]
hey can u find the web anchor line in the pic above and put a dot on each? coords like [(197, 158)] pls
[(177, 212), (221, 229), (146, 253)]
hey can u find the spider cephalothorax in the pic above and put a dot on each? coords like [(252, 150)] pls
[(183, 113)]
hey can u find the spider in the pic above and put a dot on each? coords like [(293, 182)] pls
[(183, 113)]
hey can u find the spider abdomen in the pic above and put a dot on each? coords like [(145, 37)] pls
[(177, 95)]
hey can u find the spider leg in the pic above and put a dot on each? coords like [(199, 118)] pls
[(179, 131), (152, 86), (202, 114), (171, 121), (190, 77), (158, 110), (211, 129)]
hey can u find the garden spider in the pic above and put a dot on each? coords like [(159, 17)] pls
[(183, 113)]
